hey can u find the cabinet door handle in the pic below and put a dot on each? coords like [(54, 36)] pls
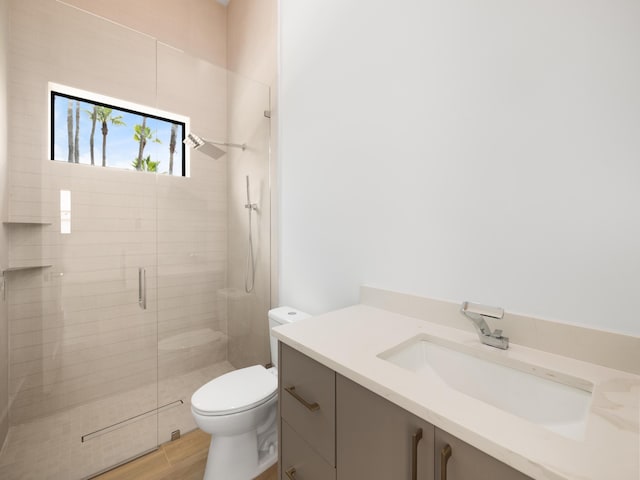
[(291, 473), (312, 407), (445, 455), (415, 440)]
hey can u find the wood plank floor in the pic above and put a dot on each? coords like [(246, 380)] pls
[(182, 459)]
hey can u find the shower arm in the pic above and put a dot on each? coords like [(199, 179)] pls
[(242, 146)]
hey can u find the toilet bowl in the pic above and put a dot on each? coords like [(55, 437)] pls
[(238, 409)]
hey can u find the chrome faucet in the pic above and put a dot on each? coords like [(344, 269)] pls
[(477, 314)]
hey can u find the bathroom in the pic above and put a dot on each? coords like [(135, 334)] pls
[(482, 152)]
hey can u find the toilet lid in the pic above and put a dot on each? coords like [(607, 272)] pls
[(235, 391)]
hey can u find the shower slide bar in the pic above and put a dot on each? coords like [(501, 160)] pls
[(142, 288)]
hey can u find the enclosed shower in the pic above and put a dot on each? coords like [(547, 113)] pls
[(126, 290)]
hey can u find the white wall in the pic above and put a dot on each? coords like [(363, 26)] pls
[(487, 151)]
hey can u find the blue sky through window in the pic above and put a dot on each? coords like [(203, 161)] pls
[(121, 148)]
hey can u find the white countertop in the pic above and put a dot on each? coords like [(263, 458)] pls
[(349, 341)]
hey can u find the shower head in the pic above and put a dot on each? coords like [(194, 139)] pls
[(208, 147)]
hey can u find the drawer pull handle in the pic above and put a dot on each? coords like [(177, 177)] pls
[(291, 473), (415, 439), (445, 455), (312, 407)]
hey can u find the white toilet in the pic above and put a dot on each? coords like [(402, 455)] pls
[(238, 409)]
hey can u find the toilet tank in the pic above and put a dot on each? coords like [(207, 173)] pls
[(281, 316)]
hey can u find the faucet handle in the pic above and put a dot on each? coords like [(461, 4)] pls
[(484, 310)]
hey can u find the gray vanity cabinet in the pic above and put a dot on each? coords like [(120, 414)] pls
[(332, 428), (461, 461), (377, 440)]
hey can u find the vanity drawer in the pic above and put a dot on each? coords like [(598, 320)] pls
[(307, 400), (300, 461)]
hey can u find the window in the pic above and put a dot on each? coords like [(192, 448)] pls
[(106, 132)]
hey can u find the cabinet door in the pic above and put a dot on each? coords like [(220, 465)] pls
[(464, 462), (375, 437), (300, 461)]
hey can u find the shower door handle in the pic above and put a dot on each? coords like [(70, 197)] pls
[(142, 288)]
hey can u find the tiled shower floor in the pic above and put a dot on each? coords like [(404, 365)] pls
[(51, 448)]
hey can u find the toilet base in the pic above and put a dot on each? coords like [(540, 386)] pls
[(238, 458)]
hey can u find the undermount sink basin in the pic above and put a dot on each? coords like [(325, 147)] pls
[(555, 401)]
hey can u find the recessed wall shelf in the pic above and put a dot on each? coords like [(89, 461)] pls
[(19, 269)]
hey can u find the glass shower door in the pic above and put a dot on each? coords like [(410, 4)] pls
[(84, 330), (108, 303), (83, 349), (119, 410)]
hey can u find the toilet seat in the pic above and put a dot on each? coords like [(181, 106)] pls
[(235, 392)]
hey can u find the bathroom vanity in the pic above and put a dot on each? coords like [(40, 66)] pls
[(349, 409), (333, 428)]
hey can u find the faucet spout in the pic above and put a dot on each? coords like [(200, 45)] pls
[(477, 314)]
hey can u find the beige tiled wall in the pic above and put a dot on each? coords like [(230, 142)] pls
[(198, 27), (252, 52), (4, 337), (247, 311)]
